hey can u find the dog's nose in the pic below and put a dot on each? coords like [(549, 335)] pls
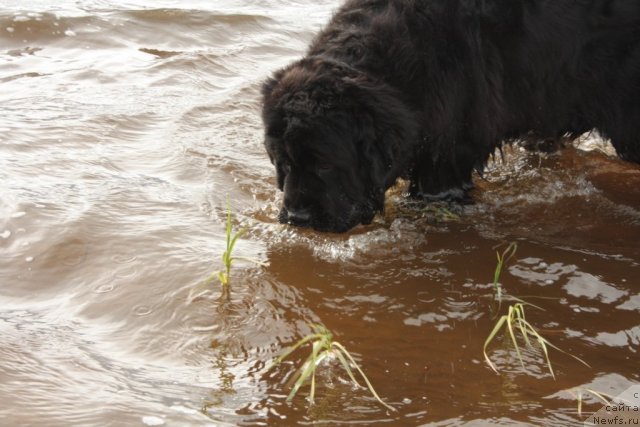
[(300, 215)]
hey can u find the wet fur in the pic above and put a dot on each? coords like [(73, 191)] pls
[(428, 89)]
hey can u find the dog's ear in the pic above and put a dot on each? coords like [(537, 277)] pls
[(274, 122), (387, 129), (376, 157), (271, 83), (267, 87)]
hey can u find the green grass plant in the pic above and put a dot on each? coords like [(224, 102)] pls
[(578, 394), (503, 258), (514, 322), (227, 257), (434, 212), (324, 347)]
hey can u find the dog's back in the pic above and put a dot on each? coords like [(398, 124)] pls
[(490, 70)]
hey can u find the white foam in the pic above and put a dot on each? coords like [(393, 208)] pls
[(153, 421)]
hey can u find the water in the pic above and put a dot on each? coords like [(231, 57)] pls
[(126, 129)]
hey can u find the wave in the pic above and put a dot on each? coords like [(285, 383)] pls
[(32, 26), (118, 27), (193, 17)]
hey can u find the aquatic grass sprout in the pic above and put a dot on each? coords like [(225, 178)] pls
[(434, 212), (227, 256), (228, 259), (323, 347), (579, 393), (503, 258), (515, 322)]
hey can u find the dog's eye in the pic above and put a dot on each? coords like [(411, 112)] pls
[(324, 167)]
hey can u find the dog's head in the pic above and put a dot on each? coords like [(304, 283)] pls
[(337, 139)]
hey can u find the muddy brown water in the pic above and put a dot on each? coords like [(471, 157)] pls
[(126, 126)]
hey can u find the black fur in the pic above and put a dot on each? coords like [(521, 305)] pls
[(428, 89)]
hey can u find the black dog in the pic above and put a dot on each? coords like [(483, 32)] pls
[(427, 89)]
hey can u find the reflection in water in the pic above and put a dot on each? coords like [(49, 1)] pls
[(125, 129)]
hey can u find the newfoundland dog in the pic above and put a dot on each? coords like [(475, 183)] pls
[(428, 89)]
